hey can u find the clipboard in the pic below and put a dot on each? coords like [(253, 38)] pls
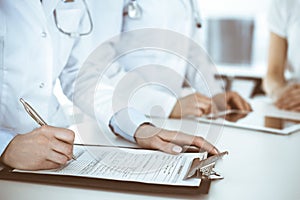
[(6, 173), (72, 181)]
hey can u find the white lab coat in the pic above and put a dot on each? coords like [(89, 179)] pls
[(176, 16), (33, 54), (31, 63)]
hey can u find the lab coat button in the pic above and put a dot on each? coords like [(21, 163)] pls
[(42, 85), (44, 34)]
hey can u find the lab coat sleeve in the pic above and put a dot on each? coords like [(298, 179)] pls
[(6, 137), (153, 102), (201, 74), (95, 94), (149, 90), (125, 128)]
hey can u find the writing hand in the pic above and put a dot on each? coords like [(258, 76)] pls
[(43, 148)]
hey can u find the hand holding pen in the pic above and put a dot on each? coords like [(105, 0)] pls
[(46, 147), (38, 118)]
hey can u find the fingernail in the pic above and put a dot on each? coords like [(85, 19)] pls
[(177, 149)]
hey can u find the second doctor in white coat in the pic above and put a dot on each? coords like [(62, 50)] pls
[(182, 17)]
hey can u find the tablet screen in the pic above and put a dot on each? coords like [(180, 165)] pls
[(253, 120)]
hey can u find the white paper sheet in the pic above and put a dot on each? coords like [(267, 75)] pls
[(126, 164)]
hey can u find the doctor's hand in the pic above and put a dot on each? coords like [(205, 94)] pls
[(232, 101), (172, 142), (44, 148), (192, 105), (289, 98)]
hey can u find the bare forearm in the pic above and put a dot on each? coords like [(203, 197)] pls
[(274, 83)]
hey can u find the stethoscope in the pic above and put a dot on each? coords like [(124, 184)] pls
[(75, 34), (134, 11)]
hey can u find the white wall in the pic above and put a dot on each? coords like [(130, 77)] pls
[(234, 7)]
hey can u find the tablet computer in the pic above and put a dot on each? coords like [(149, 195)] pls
[(253, 120)]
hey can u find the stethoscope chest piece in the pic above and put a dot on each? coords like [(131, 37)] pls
[(133, 10)]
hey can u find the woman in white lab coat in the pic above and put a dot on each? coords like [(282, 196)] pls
[(32, 57), (180, 16), (33, 54), (283, 75)]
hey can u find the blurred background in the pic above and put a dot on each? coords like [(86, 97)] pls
[(238, 25), (241, 26)]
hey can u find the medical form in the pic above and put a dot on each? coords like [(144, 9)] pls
[(125, 164)]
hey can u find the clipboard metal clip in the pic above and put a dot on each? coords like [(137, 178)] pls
[(204, 169)]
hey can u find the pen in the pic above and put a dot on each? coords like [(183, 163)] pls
[(35, 115)]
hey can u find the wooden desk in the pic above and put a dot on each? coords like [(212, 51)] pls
[(248, 73)]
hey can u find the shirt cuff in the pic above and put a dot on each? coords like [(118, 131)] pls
[(126, 122), (6, 137)]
